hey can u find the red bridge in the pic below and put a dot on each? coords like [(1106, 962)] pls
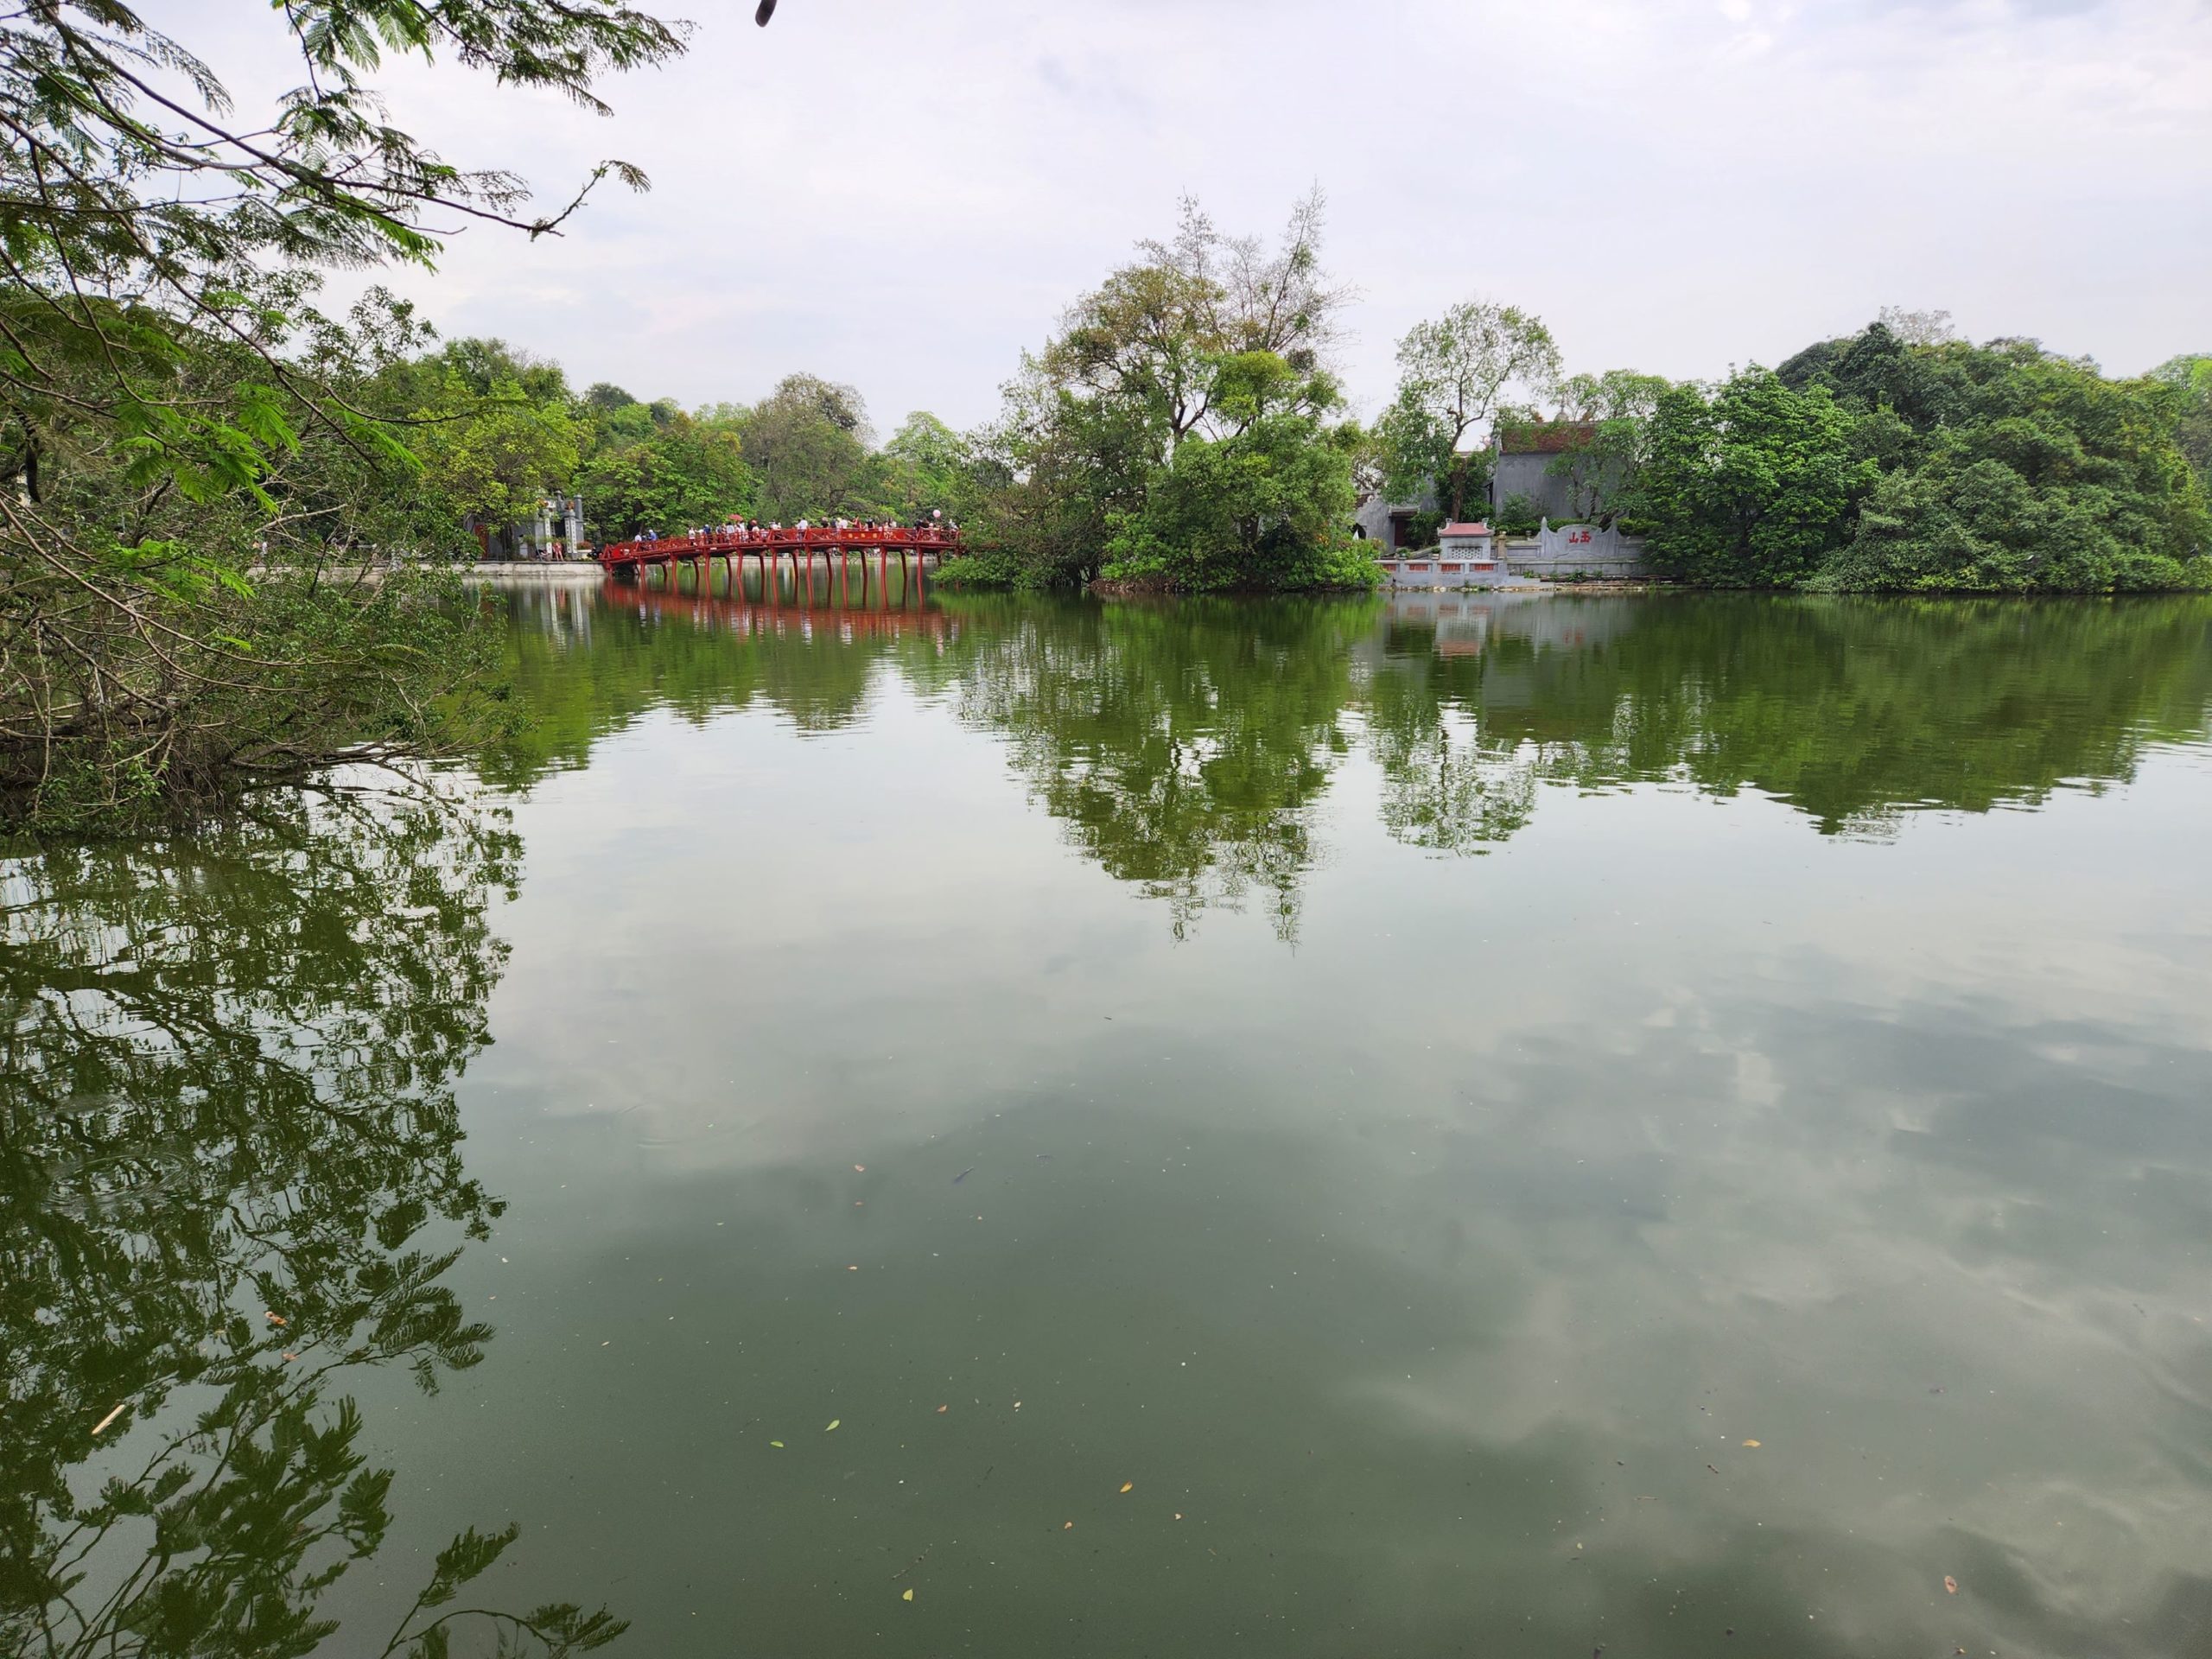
[(771, 547)]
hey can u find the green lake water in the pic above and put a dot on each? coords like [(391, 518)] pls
[(1491, 1126)]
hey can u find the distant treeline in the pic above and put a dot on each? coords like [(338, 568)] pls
[(1882, 464), (1182, 432)]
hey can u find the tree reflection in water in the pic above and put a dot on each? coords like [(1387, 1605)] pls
[(1188, 748), (1183, 746), (230, 1172)]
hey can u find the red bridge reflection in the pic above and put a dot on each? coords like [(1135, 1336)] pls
[(784, 614)]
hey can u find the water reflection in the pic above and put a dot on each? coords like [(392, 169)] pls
[(1185, 747), (1188, 748), (233, 1174), (587, 662), (1853, 711)]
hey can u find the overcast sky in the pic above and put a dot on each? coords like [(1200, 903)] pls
[(905, 194)]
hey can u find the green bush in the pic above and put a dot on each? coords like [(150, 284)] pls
[(1870, 465), (1262, 510), (1517, 515)]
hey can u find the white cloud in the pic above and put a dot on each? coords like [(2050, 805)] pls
[(904, 195)]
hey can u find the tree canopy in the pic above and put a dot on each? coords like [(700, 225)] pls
[(1880, 462), (1182, 430), (1455, 374), (174, 416)]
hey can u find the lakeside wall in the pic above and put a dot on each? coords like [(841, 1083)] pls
[(1557, 553)]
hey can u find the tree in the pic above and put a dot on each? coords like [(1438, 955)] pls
[(1211, 347), (1751, 486), (1263, 508), (925, 466), (1154, 334), (1454, 376), (1146, 339), (1917, 327), (2042, 476), (1605, 463), (2004, 468), (807, 444), (2192, 376), (690, 475), (489, 461), (156, 250)]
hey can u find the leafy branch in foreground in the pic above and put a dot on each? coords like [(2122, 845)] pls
[(170, 408)]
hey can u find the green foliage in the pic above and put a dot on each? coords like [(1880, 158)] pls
[(927, 467), (2007, 469), (491, 460), (990, 570), (1262, 509), (1454, 374), (684, 474), (1177, 433), (1752, 487), (174, 416), (2191, 376), (1884, 463), (807, 444), (1059, 469), (1517, 515), (1604, 467)]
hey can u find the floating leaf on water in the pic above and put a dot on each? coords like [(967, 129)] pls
[(1128, 1486), (1178, 1516), (860, 1169), (1951, 1585), (1068, 1527), (941, 1410), (834, 1422), (909, 1596), (1753, 1444), (779, 1444)]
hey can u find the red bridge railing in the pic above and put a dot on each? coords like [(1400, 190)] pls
[(770, 544)]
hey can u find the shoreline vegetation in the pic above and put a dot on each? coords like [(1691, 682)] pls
[(197, 461)]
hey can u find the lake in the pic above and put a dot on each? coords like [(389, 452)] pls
[(1673, 1125)]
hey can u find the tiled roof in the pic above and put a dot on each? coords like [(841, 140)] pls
[(1544, 437)]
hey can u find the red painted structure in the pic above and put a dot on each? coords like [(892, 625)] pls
[(771, 547), (803, 620)]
